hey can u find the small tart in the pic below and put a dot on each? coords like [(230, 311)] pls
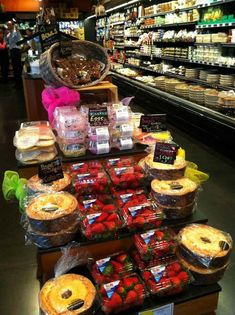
[(204, 246), (59, 293), (36, 184)]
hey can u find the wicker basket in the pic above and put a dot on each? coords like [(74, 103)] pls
[(84, 48)]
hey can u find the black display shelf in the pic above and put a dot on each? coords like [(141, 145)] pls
[(80, 240), (138, 149), (188, 24)]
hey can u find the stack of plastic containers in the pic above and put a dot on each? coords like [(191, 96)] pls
[(71, 127)]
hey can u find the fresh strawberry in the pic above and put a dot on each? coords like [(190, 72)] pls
[(131, 297), (108, 270), (146, 275), (122, 258), (139, 221), (171, 274), (175, 281), (112, 217), (110, 225), (130, 282), (114, 302), (109, 208), (183, 276), (139, 288), (97, 228), (116, 265), (176, 267), (102, 217), (121, 291)]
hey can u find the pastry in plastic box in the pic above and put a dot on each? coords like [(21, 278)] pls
[(90, 184), (52, 212), (150, 138), (122, 143), (156, 243), (96, 203), (47, 240), (72, 136), (97, 134), (167, 279), (127, 177), (111, 268), (146, 264), (120, 162), (72, 150), (36, 155), (119, 114), (35, 184), (70, 120), (100, 225), (122, 131), (141, 215), (68, 294), (163, 171), (121, 295), (101, 147), (92, 167), (178, 193)]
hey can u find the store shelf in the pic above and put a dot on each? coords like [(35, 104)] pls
[(188, 24), (132, 36), (216, 25), (117, 23), (164, 13)]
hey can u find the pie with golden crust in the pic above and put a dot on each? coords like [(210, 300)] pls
[(36, 184), (69, 294)]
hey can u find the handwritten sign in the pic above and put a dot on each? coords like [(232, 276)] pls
[(165, 153), (153, 122), (49, 35), (98, 117), (50, 171), (66, 48)]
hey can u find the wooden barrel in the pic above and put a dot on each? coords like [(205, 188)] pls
[(85, 49)]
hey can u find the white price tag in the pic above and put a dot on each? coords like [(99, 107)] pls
[(126, 144), (103, 147), (162, 310), (127, 130), (102, 133), (122, 114)]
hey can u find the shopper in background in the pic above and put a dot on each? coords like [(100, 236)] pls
[(12, 38), (4, 58)]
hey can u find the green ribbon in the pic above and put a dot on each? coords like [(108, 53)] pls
[(14, 187)]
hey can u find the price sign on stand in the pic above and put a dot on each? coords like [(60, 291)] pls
[(66, 48), (50, 171), (167, 309), (153, 122), (165, 153), (98, 117), (49, 35)]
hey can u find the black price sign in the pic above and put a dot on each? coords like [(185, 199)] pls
[(66, 48), (49, 36), (98, 117), (153, 122), (50, 171), (165, 153)]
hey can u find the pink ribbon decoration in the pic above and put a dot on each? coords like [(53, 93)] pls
[(63, 96)]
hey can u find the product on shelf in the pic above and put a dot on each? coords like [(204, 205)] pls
[(111, 268), (119, 162), (128, 72), (173, 213), (127, 177), (85, 167), (205, 251), (100, 225), (99, 147), (122, 294), (96, 203), (155, 244), (122, 143), (52, 212), (90, 183), (165, 171), (196, 94), (166, 279), (150, 138), (174, 193), (146, 264), (68, 294), (35, 184)]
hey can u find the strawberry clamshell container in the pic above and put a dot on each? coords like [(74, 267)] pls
[(121, 295), (146, 264), (167, 279), (92, 167), (89, 184), (95, 203), (156, 243), (120, 162), (111, 268)]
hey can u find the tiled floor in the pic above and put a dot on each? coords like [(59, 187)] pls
[(18, 285)]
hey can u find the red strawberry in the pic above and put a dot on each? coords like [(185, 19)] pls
[(176, 267), (175, 281), (130, 282), (139, 221), (159, 235), (112, 217), (102, 217), (102, 290), (137, 168), (114, 302), (97, 228), (171, 274), (110, 225), (109, 208), (121, 258), (116, 265), (183, 276), (131, 297), (121, 291), (139, 288), (146, 275)]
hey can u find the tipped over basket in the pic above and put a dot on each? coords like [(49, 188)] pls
[(83, 49)]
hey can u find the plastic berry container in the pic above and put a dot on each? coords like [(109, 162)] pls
[(100, 225), (141, 215), (156, 243), (130, 197), (166, 279), (146, 264), (121, 295), (93, 203), (90, 184), (120, 162), (127, 177), (92, 167), (111, 268)]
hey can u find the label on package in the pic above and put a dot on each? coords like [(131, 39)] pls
[(165, 152), (113, 161), (98, 116), (158, 272), (93, 217), (122, 114), (120, 170), (102, 264), (50, 171), (126, 144), (103, 147), (72, 134), (73, 147), (135, 210), (147, 236), (111, 287), (88, 203), (85, 178), (102, 133), (77, 166), (70, 121), (126, 197), (153, 122), (126, 130)]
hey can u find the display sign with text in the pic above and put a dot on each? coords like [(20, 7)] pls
[(153, 122), (50, 171)]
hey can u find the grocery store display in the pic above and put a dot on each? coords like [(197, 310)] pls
[(67, 294)]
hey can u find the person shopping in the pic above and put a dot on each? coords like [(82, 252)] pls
[(4, 58), (13, 37)]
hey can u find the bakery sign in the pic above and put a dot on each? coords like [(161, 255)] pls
[(153, 122), (98, 116), (165, 152), (49, 35), (50, 171)]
